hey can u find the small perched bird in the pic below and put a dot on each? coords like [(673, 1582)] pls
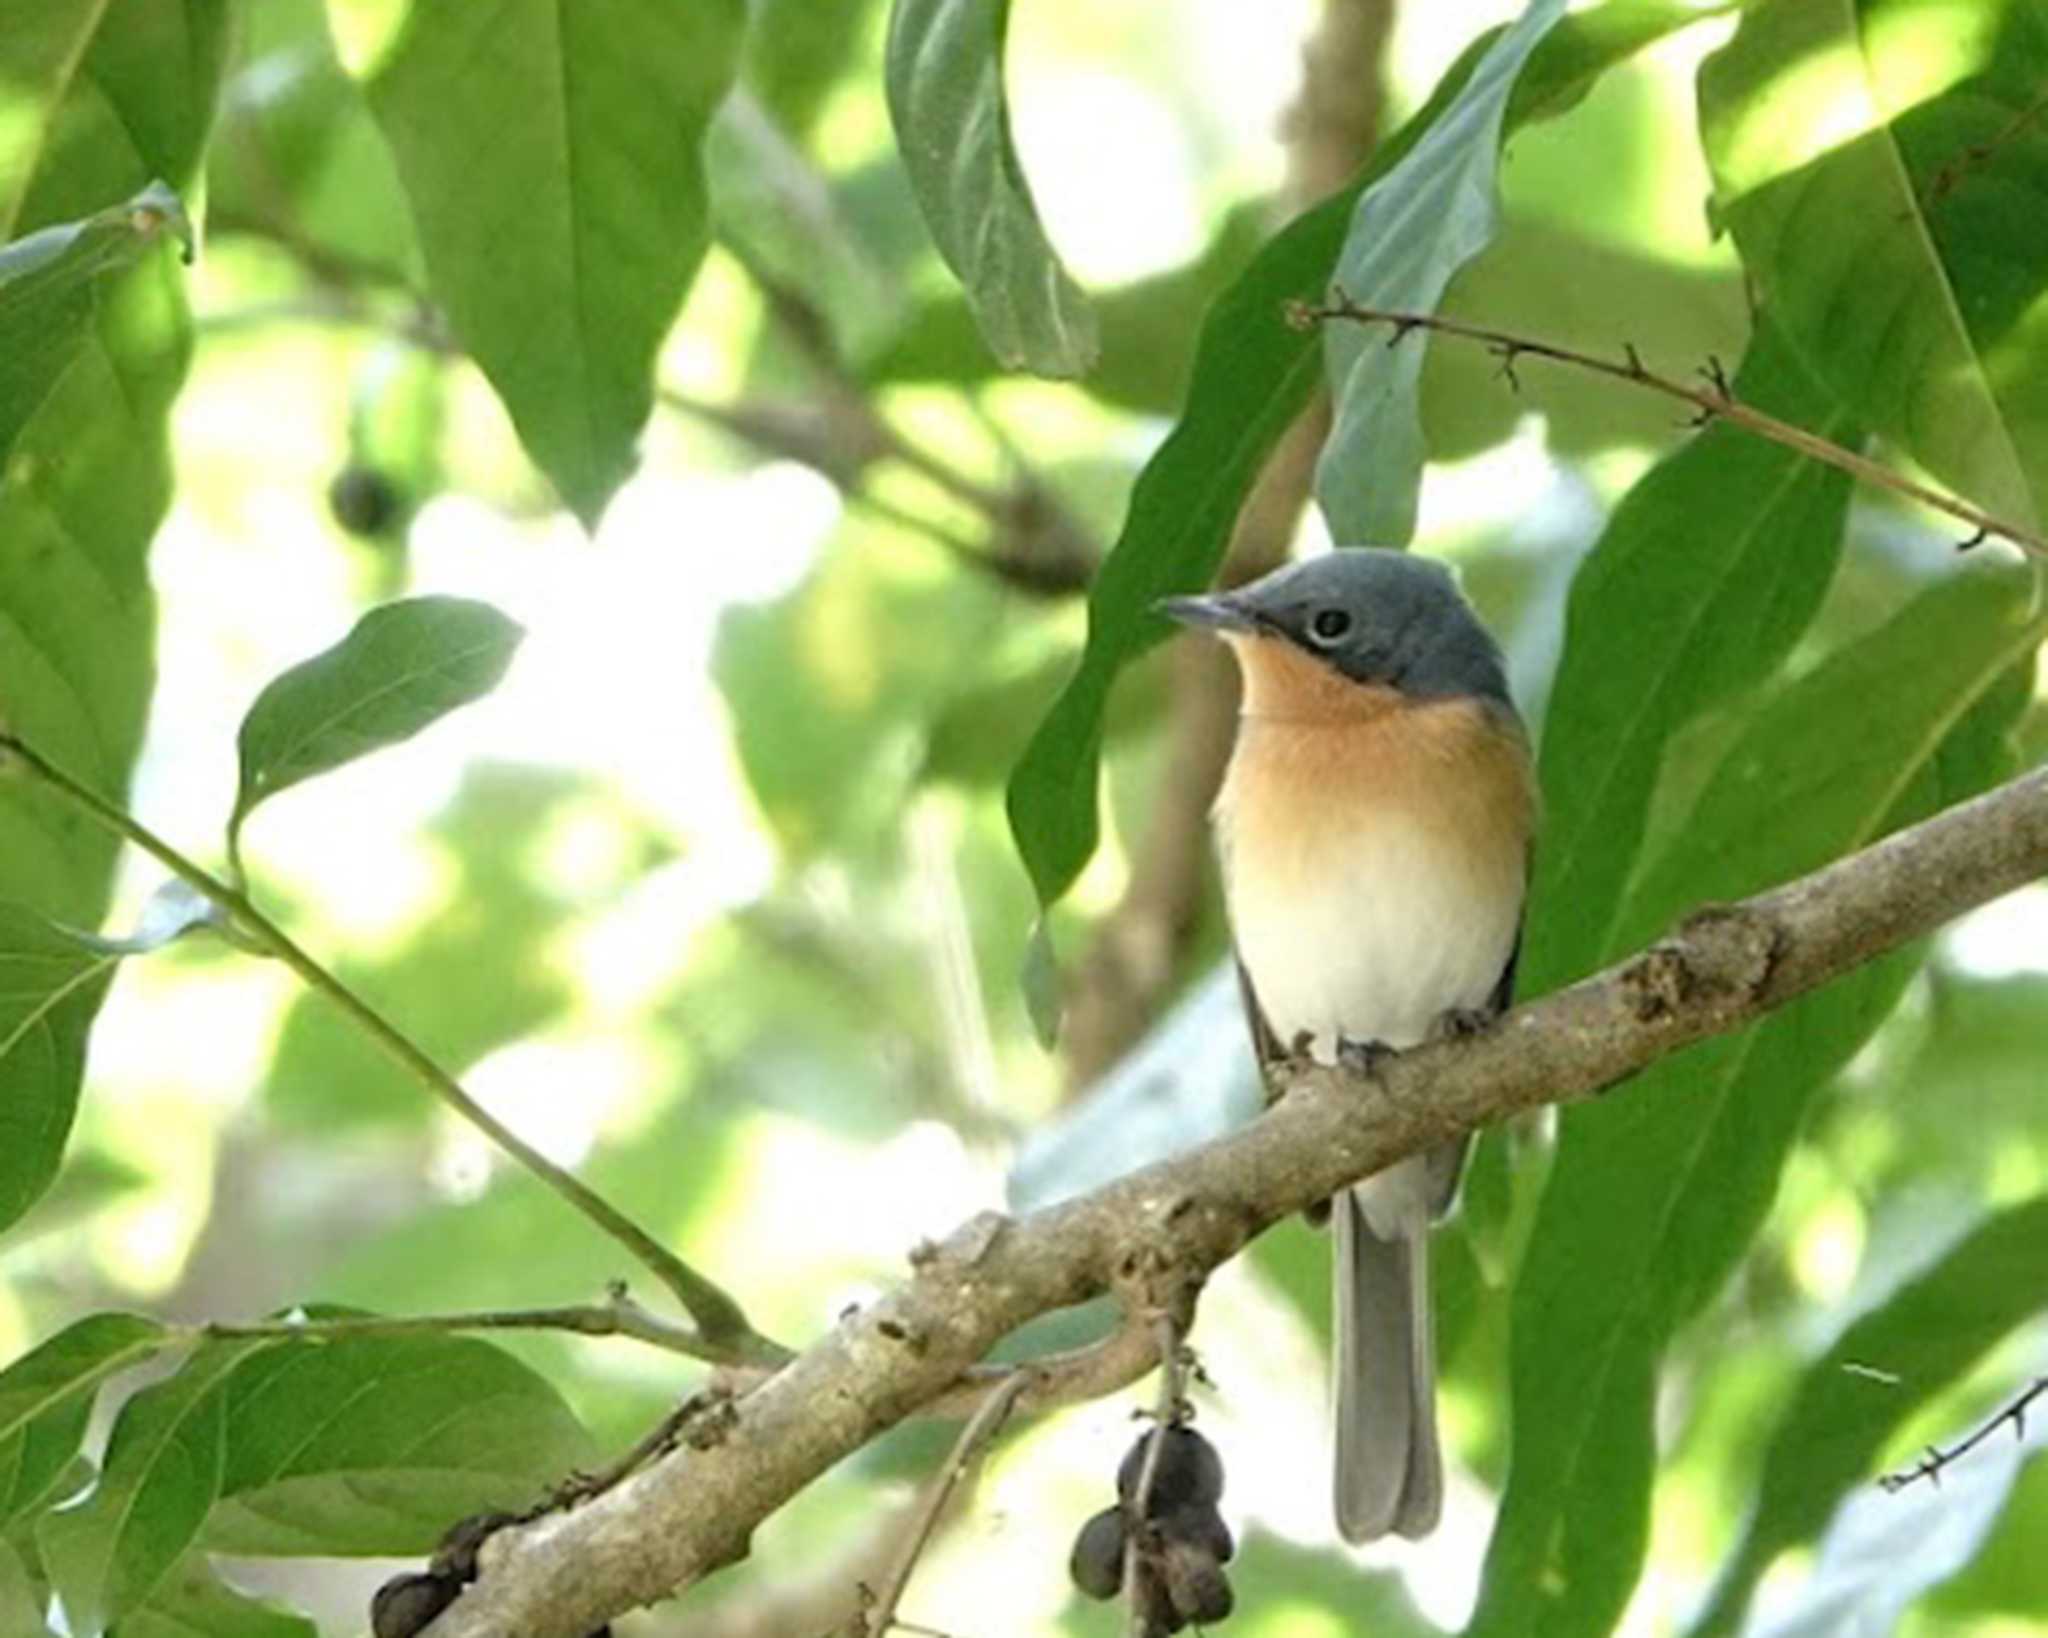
[(1374, 830)]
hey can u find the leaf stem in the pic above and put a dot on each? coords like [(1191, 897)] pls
[(723, 1333), (617, 1316), (1713, 401)]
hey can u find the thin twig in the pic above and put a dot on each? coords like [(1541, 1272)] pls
[(1168, 1413), (618, 1316), (1931, 1465), (723, 1333), (1711, 401), (980, 1429)]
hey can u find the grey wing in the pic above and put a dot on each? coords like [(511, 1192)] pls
[(1266, 1047)]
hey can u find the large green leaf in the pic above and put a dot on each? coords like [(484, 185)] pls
[(1657, 1191), (355, 1446), (797, 51), (298, 156), (21, 1606), (1924, 1336), (1253, 375), (109, 1554), (46, 296), (191, 1601), (101, 97), (46, 1397), (1412, 229), (945, 82), (402, 668), (375, 1445), (551, 154), (50, 987), (97, 101), (1890, 199), (1707, 573)]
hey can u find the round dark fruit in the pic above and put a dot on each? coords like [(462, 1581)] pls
[(1097, 1562), (1190, 1472), (363, 500), (405, 1604), (1204, 1527)]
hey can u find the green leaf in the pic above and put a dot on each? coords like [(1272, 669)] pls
[(797, 51), (46, 1397), (1925, 1336), (365, 1445), (1413, 228), (374, 1445), (1709, 570), (945, 83), (404, 667), (1658, 1190), (102, 100), (297, 155), (21, 1607), (100, 103), (46, 305), (551, 154), (1253, 375), (193, 1602), (163, 1467), (1886, 197), (50, 987)]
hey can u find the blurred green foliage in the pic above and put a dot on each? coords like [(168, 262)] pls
[(718, 898)]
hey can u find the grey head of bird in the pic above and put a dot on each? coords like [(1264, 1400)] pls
[(1377, 616)]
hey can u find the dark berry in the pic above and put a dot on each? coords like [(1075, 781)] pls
[(1201, 1526), (1190, 1472), (363, 500), (1097, 1562), (406, 1603)]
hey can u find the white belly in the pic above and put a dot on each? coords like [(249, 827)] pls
[(1375, 936)]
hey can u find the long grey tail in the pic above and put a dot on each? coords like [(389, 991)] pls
[(1390, 1473)]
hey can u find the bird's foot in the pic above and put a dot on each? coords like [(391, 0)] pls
[(1457, 1023), (1363, 1057)]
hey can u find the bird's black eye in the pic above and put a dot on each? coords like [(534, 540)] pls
[(1329, 625)]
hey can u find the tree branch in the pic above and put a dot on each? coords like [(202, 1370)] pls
[(1152, 1237), (1712, 401)]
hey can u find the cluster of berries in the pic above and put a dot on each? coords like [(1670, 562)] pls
[(1178, 1549)]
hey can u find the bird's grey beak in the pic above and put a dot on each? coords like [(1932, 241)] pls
[(1219, 613)]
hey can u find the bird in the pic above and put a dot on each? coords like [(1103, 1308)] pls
[(1374, 830)]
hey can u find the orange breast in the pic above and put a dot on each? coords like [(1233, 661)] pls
[(1375, 848)]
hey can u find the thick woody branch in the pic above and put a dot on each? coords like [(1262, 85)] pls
[(1153, 1237)]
